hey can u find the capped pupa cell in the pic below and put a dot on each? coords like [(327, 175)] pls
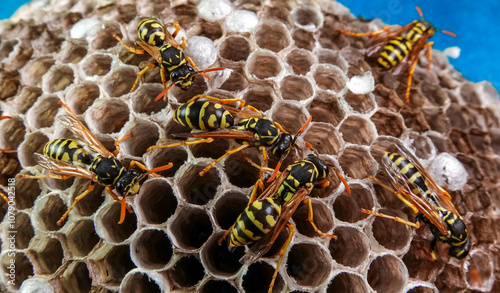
[(80, 96), (357, 130), (138, 281), (239, 172), (81, 238), (22, 271), (388, 123), (107, 227), (218, 260), (351, 247), (119, 81), (155, 203), (389, 233), (479, 271), (322, 218), (229, 207), (187, 272), (258, 278), (24, 229), (42, 113), (329, 77), (110, 264), (303, 39), (151, 249), (191, 228), (300, 60), (235, 48), (308, 264), (346, 282), (387, 273), (215, 285), (324, 138), (107, 115), (263, 64), (296, 88), (347, 208), (57, 78), (357, 162), (76, 278), (32, 73), (273, 36), (143, 99), (46, 255), (198, 189), (96, 65), (33, 143)]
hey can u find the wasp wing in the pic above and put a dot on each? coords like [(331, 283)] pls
[(381, 40), (82, 133), (226, 134), (64, 168), (242, 113), (153, 51)]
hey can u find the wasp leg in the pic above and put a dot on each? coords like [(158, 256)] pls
[(117, 144), (429, 54), (150, 171), (77, 199), (281, 254), (166, 89), (177, 27), (230, 152), (133, 50), (397, 219), (432, 254), (4, 197), (266, 169), (347, 188), (397, 193), (372, 34), (187, 142), (413, 66), (191, 62), (123, 204), (50, 175), (225, 235), (310, 219), (141, 73), (5, 150), (220, 101), (257, 185), (263, 165)]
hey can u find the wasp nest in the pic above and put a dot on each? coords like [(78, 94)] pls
[(286, 58)]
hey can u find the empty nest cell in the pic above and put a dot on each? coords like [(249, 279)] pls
[(296, 88), (191, 228), (387, 273), (218, 260), (300, 60), (308, 264), (263, 65), (187, 272), (351, 247), (273, 36), (151, 249), (107, 227), (258, 278), (347, 282), (81, 96), (347, 208), (156, 202), (198, 189)]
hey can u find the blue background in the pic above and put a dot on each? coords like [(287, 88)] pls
[(476, 23)]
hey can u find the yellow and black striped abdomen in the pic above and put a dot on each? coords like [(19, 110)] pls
[(258, 219), (67, 150), (265, 132), (412, 175), (203, 115), (151, 32), (393, 52)]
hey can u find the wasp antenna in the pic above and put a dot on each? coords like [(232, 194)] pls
[(5, 117), (448, 33), (419, 11), (164, 92)]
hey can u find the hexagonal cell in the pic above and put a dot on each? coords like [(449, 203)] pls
[(33, 143), (469, 94), (263, 65), (23, 268), (96, 65), (76, 278), (273, 36), (332, 57), (296, 88), (137, 281), (187, 272), (49, 210), (25, 99), (30, 189), (9, 82), (304, 39), (151, 249), (229, 207), (31, 74), (422, 289), (46, 255), (278, 12), (91, 202), (387, 273), (217, 259), (191, 228), (479, 271), (329, 77), (360, 103), (42, 113), (110, 264), (258, 278), (357, 163), (107, 227), (82, 238), (436, 120), (6, 48), (326, 108), (237, 81), (307, 16), (308, 264), (81, 96), (161, 157), (144, 134), (24, 229), (198, 189), (300, 60), (107, 115), (103, 38), (322, 218), (119, 82), (143, 99), (357, 130), (347, 208), (324, 138), (239, 172), (261, 97), (388, 123), (351, 247), (347, 282), (72, 51), (57, 78), (217, 286), (155, 203), (389, 233), (290, 115)]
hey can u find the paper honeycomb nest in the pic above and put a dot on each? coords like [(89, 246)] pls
[(288, 59)]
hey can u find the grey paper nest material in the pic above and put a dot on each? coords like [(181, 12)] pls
[(286, 58)]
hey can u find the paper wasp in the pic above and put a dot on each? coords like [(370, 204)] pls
[(66, 158), (399, 49), (432, 204), (267, 215), (253, 129), (162, 46)]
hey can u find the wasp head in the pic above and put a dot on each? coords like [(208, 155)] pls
[(282, 146), (462, 250), (321, 166), (129, 183), (183, 76)]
